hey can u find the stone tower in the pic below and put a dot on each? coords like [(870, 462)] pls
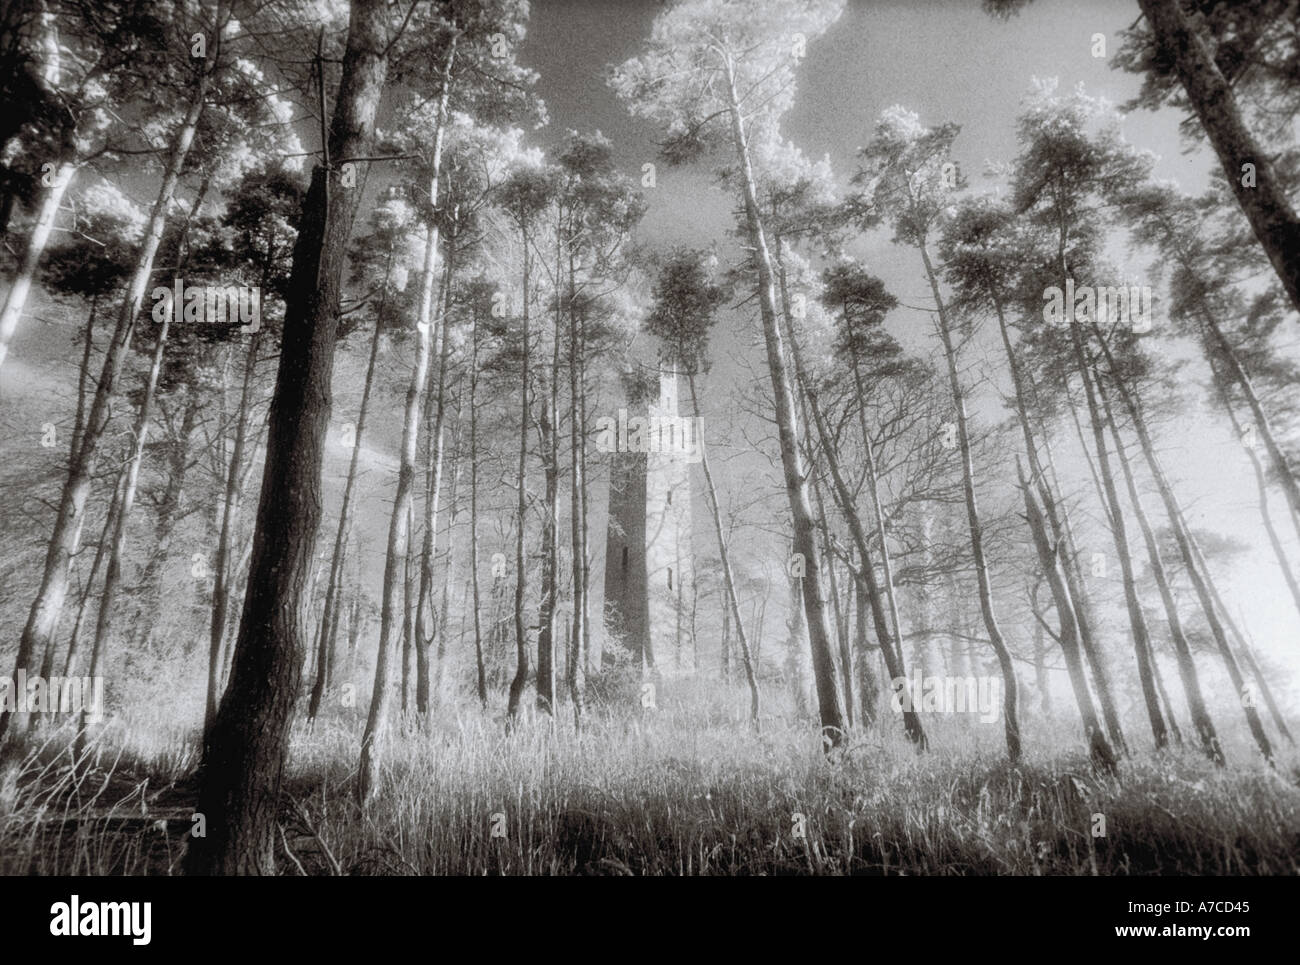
[(649, 567)]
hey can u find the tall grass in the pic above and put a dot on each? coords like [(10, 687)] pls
[(688, 788)]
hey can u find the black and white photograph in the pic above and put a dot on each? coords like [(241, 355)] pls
[(651, 438)]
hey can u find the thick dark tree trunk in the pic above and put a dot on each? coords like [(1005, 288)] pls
[(1264, 199), (245, 751)]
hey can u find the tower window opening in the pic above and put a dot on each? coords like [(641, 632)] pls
[(670, 577), (624, 557)]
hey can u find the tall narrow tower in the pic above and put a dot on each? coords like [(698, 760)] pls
[(649, 567)]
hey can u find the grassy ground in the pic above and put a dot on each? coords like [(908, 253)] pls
[(686, 789)]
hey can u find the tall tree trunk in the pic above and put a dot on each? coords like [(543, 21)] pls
[(1141, 639), (1092, 651), (1048, 557), (796, 665), (149, 588), (796, 483), (841, 629), (892, 652), (238, 580), (520, 680), (448, 554), (1247, 651), (549, 439), (1011, 724), (1058, 518), (1041, 679), (223, 571), (334, 586), (481, 677), (1243, 645), (47, 211), (724, 656), (1164, 695), (1266, 515), (83, 374), (435, 410), (78, 426), (1185, 542), (356, 617), (334, 616), (408, 606), (48, 604), (878, 511), (113, 575), (247, 743), (577, 479), (399, 534), (1281, 466), (867, 687), (583, 496), (728, 579), (101, 549), (1264, 200)]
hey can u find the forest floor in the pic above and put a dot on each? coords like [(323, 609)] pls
[(688, 788)]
